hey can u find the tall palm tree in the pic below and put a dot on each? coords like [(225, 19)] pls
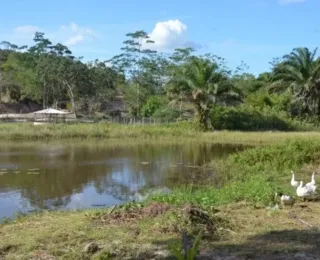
[(300, 73), (200, 82)]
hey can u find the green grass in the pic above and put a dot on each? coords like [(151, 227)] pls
[(25, 131), (175, 131), (246, 232), (65, 234)]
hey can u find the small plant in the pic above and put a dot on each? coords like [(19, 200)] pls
[(5, 220), (187, 250)]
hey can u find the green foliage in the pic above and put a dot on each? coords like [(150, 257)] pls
[(247, 83), (167, 113), (152, 105), (134, 97), (139, 63), (190, 253), (48, 73), (200, 81), (299, 72), (250, 118), (102, 129), (141, 78)]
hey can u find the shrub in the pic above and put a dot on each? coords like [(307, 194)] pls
[(248, 118), (167, 114), (152, 105)]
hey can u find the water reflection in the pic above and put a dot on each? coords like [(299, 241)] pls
[(46, 176)]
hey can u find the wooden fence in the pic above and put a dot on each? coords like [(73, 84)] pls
[(70, 118)]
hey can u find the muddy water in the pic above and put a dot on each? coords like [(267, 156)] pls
[(71, 176)]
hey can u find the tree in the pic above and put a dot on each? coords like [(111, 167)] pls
[(7, 82), (104, 79), (132, 63), (299, 72), (200, 82), (49, 72)]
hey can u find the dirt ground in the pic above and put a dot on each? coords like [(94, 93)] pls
[(235, 232)]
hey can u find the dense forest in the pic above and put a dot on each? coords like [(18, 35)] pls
[(173, 86)]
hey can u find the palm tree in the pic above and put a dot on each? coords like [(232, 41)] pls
[(299, 72), (200, 82)]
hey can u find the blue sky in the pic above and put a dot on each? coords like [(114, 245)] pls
[(254, 31)]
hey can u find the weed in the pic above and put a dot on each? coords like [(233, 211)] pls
[(186, 250)]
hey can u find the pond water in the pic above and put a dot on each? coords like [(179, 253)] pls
[(72, 176)]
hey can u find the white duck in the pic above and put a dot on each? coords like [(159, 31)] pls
[(306, 192), (286, 200), (294, 183), (313, 181)]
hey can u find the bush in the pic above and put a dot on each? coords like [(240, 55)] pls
[(167, 114), (152, 105), (247, 118)]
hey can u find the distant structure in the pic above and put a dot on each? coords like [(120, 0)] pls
[(51, 115)]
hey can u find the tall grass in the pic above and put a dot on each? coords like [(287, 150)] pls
[(254, 175), (173, 131), (26, 131)]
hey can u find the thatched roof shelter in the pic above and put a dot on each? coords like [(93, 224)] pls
[(50, 111)]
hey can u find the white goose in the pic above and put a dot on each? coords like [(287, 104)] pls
[(313, 181), (294, 183), (306, 192), (286, 200)]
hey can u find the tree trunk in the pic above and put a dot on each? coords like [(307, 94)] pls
[(203, 117), (318, 108), (70, 93)]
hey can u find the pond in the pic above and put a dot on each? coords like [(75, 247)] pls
[(72, 176)]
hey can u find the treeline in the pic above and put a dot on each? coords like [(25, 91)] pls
[(166, 85)]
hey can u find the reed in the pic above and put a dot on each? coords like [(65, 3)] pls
[(174, 131)]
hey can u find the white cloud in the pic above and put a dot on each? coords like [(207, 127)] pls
[(69, 35), (74, 40), (108, 64), (168, 35), (73, 34), (287, 2)]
